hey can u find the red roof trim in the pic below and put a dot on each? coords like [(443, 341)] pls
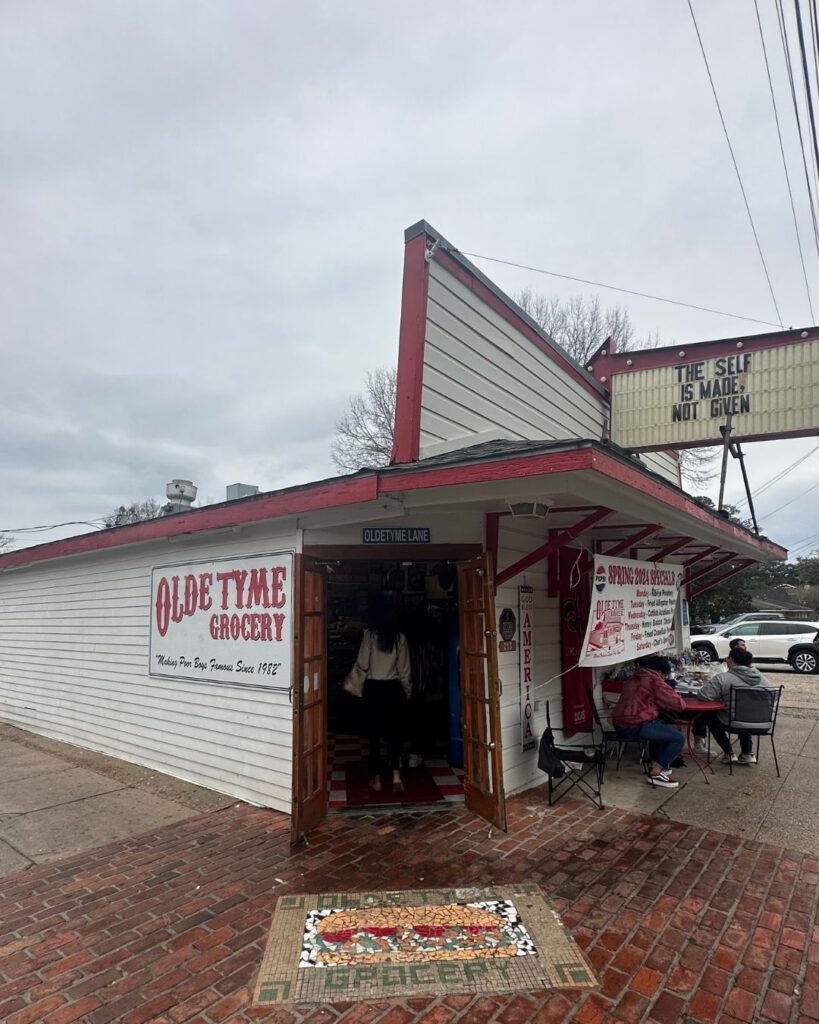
[(348, 491), (406, 443), (274, 506), (615, 469), (779, 436), (603, 366)]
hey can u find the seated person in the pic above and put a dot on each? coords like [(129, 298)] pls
[(637, 716), (699, 727), (740, 673)]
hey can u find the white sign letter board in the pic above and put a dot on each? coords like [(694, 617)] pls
[(632, 609), (225, 621)]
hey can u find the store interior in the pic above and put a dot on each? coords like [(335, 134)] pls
[(424, 595)]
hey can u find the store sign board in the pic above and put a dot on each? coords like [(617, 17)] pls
[(526, 604), (768, 393), (224, 621), (396, 535), (632, 610)]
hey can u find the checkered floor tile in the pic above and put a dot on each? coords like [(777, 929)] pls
[(343, 750)]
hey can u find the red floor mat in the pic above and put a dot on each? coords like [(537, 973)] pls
[(419, 787)]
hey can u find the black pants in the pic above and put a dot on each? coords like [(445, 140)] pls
[(384, 706), (710, 720)]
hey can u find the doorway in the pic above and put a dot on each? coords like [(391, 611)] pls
[(423, 595), (445, 605)]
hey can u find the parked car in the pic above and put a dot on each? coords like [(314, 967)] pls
[(773, 640), (804, 657), (735, 620)]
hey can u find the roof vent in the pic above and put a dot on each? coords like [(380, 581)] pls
[(236, 491), (181, 495)]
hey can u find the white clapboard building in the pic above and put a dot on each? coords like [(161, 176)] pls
[(212, 644)]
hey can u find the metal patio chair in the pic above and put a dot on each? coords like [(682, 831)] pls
[(753, 710)]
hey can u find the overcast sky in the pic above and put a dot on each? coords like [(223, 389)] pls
[(202, 208)]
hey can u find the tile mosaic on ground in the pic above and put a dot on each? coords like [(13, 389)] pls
[(679, 924), (371, 945)]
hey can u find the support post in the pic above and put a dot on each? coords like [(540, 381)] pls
[(739, 454), (726, 444)]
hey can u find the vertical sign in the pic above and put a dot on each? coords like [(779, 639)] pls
[(575, 596), (526, 599)]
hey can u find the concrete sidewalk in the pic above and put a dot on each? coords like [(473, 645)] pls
[(750, 804), (57, 799)]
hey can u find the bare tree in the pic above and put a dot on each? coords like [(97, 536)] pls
[(136, 512), (364, 432), (6, 543), (580, 325)]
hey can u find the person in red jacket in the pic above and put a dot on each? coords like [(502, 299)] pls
[(637, 716)]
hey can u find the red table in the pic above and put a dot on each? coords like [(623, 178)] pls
[(696, 706)]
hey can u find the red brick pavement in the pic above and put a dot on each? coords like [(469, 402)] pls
[(681, 925)]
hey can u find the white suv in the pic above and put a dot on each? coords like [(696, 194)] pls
[(769, 641)]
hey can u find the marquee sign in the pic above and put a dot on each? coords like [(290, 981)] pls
[(225, 621), (768, 392)]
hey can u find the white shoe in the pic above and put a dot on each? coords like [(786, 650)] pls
[(700, 746), (747, 759), (662, 779), (730, 759)]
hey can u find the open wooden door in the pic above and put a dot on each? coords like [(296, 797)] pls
[(309, 698), (480, 691)]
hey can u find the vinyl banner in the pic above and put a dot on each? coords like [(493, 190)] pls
[(632, 610), (225, 621)]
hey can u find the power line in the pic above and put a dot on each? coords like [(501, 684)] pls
[(783, 35), (806, 74), (785, 163), (781, 475), (807, 542), (734, 161), (611, 287), (97, 524), (798, 496)]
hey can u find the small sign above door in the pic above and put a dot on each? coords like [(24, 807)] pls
[(396, 535)]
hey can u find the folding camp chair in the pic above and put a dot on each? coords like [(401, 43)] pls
[(753, 710), (583, 767)]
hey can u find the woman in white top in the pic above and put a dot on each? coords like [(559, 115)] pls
[(384, 655)]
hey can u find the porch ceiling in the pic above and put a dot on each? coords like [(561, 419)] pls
[(610, 513)]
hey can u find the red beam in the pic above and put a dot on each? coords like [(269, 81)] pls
[(702, 554), (740, 566), (704, 570), (629, 542), (411, 341), (669, 549), (560, 540)]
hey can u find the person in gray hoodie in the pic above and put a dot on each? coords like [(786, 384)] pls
[(740, 674)]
